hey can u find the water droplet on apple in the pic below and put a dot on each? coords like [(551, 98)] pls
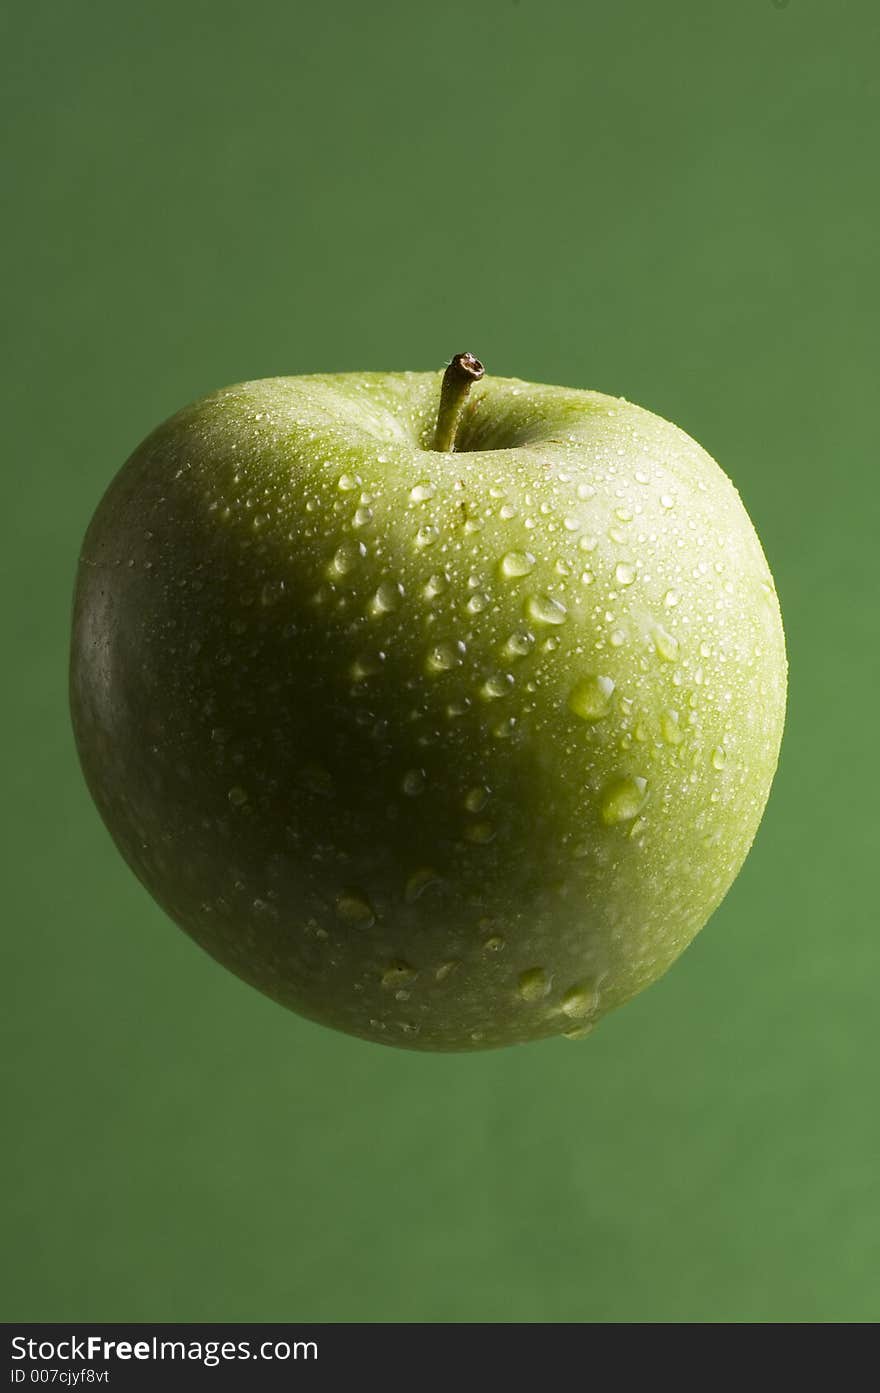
[(386, 598), (419, 882), (354, 908), (457, 708), (476, 798), (666, 644), (580, 1032), (519, 645), (579, 1000), (362, 517), (477, 603), (427, 535), (422, 492), (533, 984), (671, 599), (625, 574), (503, 730), (497, 686), (435, 585), (543, 609), (346, 558), (349, 482), (493, 944), (413, 782), (719, 757), (590, 698), (670, 729), (367, 665), (271, 592), (446, 969), (617, 638), (623, 799), (237, 796), (516, 564), (444, 656), (585, 491), (666, 500), (397, 973)]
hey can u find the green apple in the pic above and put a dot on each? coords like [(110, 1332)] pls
[(446, 730)]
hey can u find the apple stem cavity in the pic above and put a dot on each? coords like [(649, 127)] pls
[(459, 377)]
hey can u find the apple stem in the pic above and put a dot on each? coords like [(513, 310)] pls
[(459, 377)]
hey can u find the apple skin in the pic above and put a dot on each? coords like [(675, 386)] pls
[(445, 750)]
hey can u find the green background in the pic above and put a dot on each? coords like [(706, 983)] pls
[(677, 202)]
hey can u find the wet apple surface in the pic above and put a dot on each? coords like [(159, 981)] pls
[(446, 748)]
